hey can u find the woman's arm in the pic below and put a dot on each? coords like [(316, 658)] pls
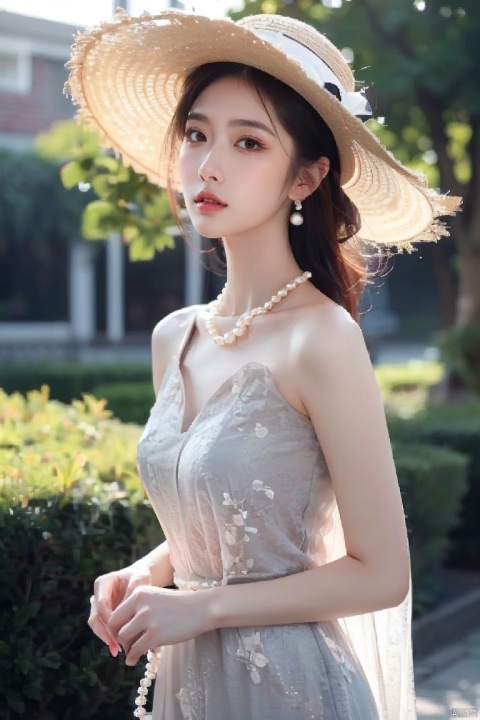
[(159, 565), (166, 338), (338, 387)]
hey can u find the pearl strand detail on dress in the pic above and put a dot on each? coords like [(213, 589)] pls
[(245, 320), (150, 674)]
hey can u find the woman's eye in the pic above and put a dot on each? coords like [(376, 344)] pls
[(193, 135), (249, 143)]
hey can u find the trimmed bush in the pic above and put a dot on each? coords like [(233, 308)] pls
[(130, 402), (409, 376), (69, 380), (433, 482), (460, 348), (71, 508), (456, 427)]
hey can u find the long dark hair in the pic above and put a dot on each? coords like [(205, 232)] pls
[(340, 269)]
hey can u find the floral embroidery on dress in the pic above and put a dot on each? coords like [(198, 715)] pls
[(239, 379), (251, 652), (237, 531), (236, 535), (260, 487), (185, 704), (341, 657), (260, 430)]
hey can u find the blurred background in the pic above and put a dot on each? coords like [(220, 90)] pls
[(91, 259)]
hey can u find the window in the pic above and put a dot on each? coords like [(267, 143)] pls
[(15, 67)]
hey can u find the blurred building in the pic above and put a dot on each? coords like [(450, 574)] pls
[(32, 57), (63, 295)]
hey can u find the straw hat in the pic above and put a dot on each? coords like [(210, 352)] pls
[(126, 78)]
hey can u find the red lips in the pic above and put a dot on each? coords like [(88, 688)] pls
[(206, 195)]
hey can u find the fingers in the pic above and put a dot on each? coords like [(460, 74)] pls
[(109, 592), (139, 647), (120, 617), (134, 639), (137, 581), (100, 629)]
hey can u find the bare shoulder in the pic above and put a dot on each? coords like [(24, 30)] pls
[(166, 338), (327, 334)]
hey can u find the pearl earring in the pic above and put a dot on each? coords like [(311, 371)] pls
[(296, 218)]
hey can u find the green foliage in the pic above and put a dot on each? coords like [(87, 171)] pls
[(128, 203), (48, 449), (408, 376), (71, 508), (460, 348), (69, 380), (405, 387), (130, 402), (455, 427), (33, 203), (404, 52), (433, 482)]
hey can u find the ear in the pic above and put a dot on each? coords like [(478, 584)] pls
[(308, 179)]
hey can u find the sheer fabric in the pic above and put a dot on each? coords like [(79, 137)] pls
[(244, 495)]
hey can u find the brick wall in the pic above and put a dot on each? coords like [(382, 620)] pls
[(34, 112)]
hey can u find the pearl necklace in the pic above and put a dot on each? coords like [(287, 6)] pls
[(245, 320)]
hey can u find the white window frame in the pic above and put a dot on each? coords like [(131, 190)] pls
[(22, 51)]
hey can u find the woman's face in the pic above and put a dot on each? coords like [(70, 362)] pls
[(232, 150)]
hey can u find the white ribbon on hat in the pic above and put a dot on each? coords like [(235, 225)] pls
[(355, 102)]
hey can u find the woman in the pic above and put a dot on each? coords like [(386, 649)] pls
[(266, 456)]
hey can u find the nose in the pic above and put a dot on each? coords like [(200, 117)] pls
[(211, 166)]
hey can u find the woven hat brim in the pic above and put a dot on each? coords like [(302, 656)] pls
[(126, 78)]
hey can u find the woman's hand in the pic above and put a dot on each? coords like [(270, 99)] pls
[(110, 591), (151, 617)]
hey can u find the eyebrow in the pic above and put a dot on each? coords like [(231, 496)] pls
[(240, 122)]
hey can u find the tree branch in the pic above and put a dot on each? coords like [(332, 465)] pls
[(471, 206), (433, 109)]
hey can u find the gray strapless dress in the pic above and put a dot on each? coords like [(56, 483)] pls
[(244, 495)]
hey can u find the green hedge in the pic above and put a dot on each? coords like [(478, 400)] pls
[(69, 380), (71, 508), (130, 402), (404, 377), (456, 427), (460, 349), (433, 482)]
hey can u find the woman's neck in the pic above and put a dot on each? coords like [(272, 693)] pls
[(256, 270)]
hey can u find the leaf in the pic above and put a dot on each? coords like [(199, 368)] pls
[(52, 660), (164, 241), (110, 164), (24, 614), (15, 701), (141, 249), (130, 232), (61, 139), (100, 218), (5, 649), (72, 174)]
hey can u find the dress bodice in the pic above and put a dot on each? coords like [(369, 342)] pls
[(238, 492)]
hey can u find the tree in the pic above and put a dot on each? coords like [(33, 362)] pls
[(422, 56), (126, 202)]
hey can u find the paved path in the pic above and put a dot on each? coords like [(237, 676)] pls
[(448, 682)]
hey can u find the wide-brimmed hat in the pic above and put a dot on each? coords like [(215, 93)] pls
[(126, 78)]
